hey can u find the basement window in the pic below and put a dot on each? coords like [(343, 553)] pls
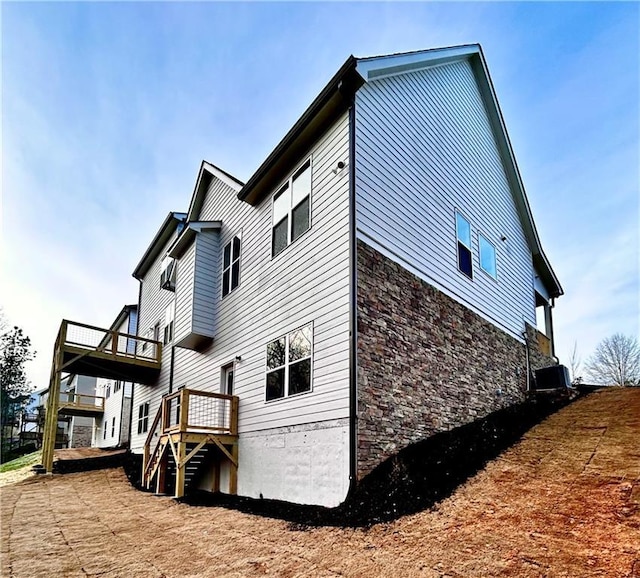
[(291, 209), (231, 266), (143, 418), (289, 364), (463, 233)]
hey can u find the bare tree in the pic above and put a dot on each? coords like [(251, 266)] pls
[(616, 361), (575, 363)]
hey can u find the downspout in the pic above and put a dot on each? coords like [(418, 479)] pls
[(122, 391), (133, 385), (353, 305), (527, 360)]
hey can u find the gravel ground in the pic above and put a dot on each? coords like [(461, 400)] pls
[(565, 501)]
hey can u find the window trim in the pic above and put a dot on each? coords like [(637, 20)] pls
[(287, 364), (495, 256), (458, 241), (288, 184), (230, 267)]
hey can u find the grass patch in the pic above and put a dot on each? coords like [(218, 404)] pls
[(21, 462)]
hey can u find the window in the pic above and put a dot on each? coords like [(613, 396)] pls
[(291, 209), (113, 426), (116, 386), (289, 364), (169, 316), (487, 256), (168, 273), (104, 431), (463, 232), (231, 266), (143, 418), (108, 392)]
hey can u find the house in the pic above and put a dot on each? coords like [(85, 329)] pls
[(374, 282), (112, 427)]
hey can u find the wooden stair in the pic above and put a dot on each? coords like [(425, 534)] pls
[(190, 430)]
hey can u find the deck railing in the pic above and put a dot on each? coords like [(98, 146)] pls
[(191, 411), (108, 341), (73, 400)]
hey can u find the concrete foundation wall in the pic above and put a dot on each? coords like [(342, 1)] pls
[(426, 363), (306, 464)]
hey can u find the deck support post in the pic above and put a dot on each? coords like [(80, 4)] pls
[(51, 416), (181, 468)]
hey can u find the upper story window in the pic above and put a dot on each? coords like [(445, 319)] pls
[(291, 209), (231, 266), (169, 317), (117, 386), (289, 364), (168, 273), (108, 392), (487, 256), (463, 232)]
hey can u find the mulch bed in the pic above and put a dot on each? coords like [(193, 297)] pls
[(413, 480)]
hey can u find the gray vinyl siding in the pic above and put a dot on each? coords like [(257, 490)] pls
[(185, 282), (307, 283), (424, 149), (206, 289)]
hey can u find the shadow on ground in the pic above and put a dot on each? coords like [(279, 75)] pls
[(413, 480)]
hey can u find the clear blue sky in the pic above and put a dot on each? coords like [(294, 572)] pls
[(108, 109)]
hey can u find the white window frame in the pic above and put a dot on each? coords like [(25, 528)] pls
[(232, 262), (484, 238), (287, 365), (288, 185)]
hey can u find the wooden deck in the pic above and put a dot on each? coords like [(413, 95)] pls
[(82, 349), (80, 404), (96, 352), (188, 422)]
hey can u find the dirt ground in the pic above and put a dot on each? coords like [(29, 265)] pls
[(565, 501)]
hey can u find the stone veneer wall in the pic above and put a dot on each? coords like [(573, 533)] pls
[(82, 436), (426, 363)]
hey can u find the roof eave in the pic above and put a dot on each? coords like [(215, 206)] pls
[(334, 99), (159, 240), (181, 244)]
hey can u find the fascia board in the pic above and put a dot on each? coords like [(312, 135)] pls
[(377, 67)]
